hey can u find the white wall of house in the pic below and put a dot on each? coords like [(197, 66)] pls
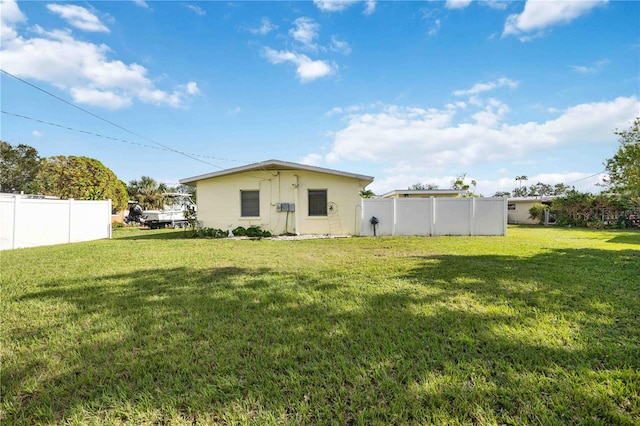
[(435, 216), (518, 209), (219, 201), (32, 222)]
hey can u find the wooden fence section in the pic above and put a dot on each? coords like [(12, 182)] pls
[(434, 216)]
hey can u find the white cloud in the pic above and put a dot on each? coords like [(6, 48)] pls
[(307, 69), (101, 98), (429, 138), (457, 4), (495, 4), (141, 3), (340, 5), (78, 17), (196, 9), (80, 68), (333, 5), (191, 88), (265, 28), (590, 69), (10, 16), (370, 7), (340, 46), (541, 14), (485, 87), (36, 133), (435, 28), (305, 32), (312, 160)]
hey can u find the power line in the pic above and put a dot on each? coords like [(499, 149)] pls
[(164, 147), (107, 121), (585, 178), (110, 137)]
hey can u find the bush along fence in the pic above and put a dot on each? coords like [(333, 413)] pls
[(597, 211)]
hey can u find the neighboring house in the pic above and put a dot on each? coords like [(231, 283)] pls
[(280, 197), (424, 193), (518, 208)]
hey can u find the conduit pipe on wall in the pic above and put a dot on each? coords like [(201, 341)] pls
[(296, 200)]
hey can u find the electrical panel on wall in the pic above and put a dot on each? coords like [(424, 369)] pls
[(285, 207)]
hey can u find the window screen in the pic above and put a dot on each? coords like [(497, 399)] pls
[(317, 202), (250, 203)]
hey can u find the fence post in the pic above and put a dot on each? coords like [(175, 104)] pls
[(109, 209), (70, 220), (395, 217), (472, 212), (505, 214), (16, 199), (432, 225)]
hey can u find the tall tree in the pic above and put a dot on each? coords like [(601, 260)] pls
[(18, 167), (624, 167), (81, 178), (147, 192), (540, 189), (459, 183), (367, 193)]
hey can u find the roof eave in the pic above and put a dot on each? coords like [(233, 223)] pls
[(365, 180)]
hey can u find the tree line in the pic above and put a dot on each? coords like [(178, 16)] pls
[(22, 170), (81, 178)]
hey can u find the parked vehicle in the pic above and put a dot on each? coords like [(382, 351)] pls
[(178, 209)]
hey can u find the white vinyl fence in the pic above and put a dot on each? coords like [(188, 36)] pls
[(31, 222), (434, 216)]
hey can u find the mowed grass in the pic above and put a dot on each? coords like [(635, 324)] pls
[(539, 327)]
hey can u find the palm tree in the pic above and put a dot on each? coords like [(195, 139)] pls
[(147, 192)]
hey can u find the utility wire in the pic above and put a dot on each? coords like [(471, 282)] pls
[(585, 178), (110, 137), (107, 121)]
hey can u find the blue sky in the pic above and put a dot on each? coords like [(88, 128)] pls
[(407, 92)]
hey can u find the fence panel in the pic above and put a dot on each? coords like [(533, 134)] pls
[(7, 210), (414, 216), (83, 221), (453, 216), (435, 216), (490, 217), (41, 222), (32, 222), (381, 209)]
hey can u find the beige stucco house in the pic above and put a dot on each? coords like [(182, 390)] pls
[(280, 197), (518, 209)]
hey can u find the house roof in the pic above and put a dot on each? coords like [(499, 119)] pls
[(540, 199), (424, 192), (276, 165)]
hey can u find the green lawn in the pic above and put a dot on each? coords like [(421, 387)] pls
[(539, 327)]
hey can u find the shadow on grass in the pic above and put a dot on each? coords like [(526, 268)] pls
[(150, 234), (631, 237), (457, 339)]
